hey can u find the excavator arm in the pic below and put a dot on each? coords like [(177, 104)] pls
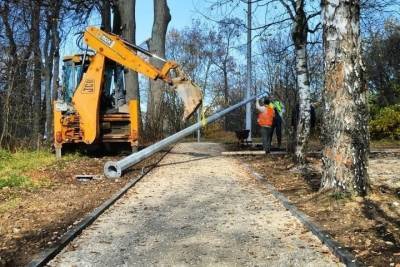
[(86, 99), (115, 48)]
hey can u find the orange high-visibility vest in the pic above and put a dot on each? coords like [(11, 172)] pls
[(266, 118)]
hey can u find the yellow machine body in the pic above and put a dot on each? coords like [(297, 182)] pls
[(81, 119)]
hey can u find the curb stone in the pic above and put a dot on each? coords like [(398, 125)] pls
[(48, 254), (335, 247)]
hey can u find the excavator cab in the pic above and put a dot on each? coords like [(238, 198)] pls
[(71, 75)]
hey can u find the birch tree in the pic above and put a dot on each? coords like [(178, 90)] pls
[(294, 14), (345, 130), (297, 14)]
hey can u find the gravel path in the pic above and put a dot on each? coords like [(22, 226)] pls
[(200, 209)]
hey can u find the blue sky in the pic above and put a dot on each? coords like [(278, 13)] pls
[(182, 14)]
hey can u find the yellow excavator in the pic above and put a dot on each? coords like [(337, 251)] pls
[(80, 117)]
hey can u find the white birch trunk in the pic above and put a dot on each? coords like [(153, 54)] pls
[(299, 36), (303, 125), (345, 132)]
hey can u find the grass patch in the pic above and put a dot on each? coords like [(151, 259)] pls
[(384, 143), (15, 166)]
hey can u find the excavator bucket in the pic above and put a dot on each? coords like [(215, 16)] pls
[(188, 92)]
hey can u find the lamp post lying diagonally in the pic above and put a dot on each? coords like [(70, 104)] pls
[(114, 169)]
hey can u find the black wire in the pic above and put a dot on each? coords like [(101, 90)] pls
[(79, 41)]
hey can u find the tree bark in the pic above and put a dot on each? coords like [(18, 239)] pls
[(37, 69), (52, 63), (345, 130), (162, 17), (299, 37), (105, 15), (11, 73), (227, 118), (48, 78), (56, 60), (48, 74), (127, 29)]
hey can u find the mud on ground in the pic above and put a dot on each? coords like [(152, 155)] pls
[(31, 220), (368, 227)]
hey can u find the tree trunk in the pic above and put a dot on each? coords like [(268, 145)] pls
[(7, 104), (227, 118), (11, 73), (299, 36), (127, 29), (56, 60), (106, 15), (37, 70), (52, 65), (48, 79), (162, 17), (345, 131), (48, 71)]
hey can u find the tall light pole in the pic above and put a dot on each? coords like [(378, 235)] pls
[(249, 84)]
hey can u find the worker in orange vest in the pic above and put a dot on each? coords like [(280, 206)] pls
[(265, 120)]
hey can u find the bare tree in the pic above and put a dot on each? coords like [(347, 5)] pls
[(194, 47), (162, 17), (11, 71), (374, 13), (48, 51), (345, 132), (296, 11), (56, 39), (127, 29), (293, 14), (37, 67), (51, 51), (277, 71), (382, 61), (227, 36), (30, 35)]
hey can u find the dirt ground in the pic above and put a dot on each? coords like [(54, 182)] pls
[(31, 220), (196, 208), (368, 227)]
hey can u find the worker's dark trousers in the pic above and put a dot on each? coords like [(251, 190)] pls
[(266, 134), (277, 129)]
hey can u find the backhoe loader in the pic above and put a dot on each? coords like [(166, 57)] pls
[(82, 117)]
